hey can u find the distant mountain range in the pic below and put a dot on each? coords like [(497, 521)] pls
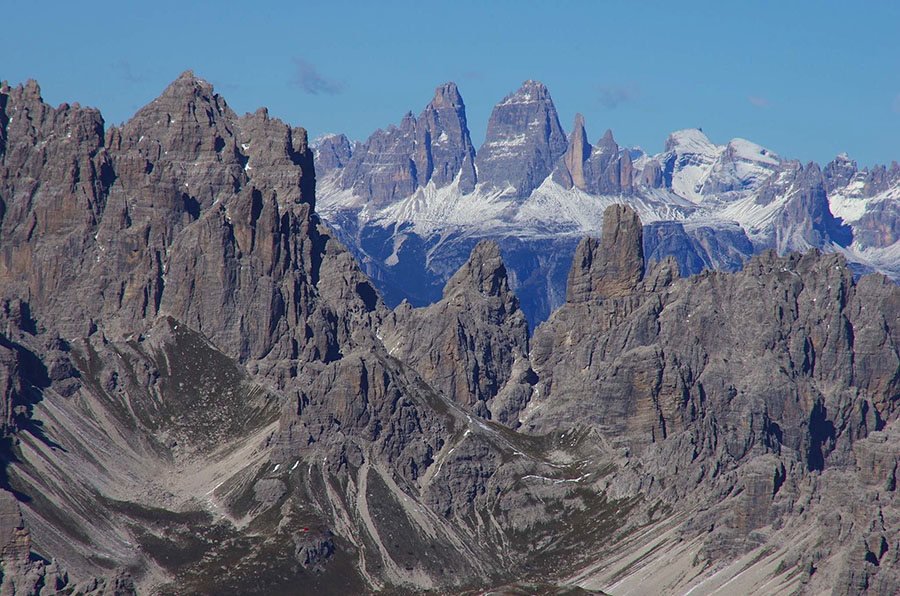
[(412, 200), (201, 391)]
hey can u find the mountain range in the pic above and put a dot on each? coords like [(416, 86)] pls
[(411, 201), (203, 392)]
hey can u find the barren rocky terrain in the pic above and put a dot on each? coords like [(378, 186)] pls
[(203, 393)]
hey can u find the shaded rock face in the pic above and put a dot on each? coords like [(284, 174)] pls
[(881, 178), (186, 217), (743, 387), (171, 169), (393, 163), (722, 248), (879, 226), (382, 169), (523, 141), (600, 169), (577, 152), (839, 172), (443, 147), (467, 344), (189, 346), (332, 153), (806, 219), (613, 266)]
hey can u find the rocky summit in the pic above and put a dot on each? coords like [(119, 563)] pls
[(538, 193), (203, 392)]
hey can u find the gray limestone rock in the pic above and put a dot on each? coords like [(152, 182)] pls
[(839, 172), (467, 344), (394, 163), (770, 375), (443, 147), (571, 171), (600, 169), (524, 140), (805, 220), (613, 266), (383, 169), (200, 385), (332, 153)]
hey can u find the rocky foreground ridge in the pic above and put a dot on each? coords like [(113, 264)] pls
[(537, 192), (202, 392)]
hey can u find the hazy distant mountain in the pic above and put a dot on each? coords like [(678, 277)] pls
[(202, 392), (537, 193)]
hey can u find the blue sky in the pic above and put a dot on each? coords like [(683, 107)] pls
[(806, 79)]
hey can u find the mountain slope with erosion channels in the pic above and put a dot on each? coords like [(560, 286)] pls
[(204, 393)]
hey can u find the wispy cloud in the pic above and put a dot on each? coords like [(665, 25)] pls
[(896, 106), (127, 73), (613, 96), (311, 81), (759, 101)]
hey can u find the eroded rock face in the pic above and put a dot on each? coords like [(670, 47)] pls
[(211, 353), (394, 163), (332, 153), (523, 141), (745, 387), (806, 219), (187, 346), (187, 219), (599, 169), (467, 344), (443, 147), (613, 266)]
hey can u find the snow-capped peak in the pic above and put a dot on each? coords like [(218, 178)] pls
[(750, 151), (691, 140)]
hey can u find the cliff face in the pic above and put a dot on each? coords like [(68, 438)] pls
[(392, 164), (523, 141), (148, 273), (467, 344), (750, 393), (202, 392)]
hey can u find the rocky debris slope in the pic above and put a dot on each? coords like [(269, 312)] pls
[(743, 398), (194, 381), (204, 393), (160, 281)]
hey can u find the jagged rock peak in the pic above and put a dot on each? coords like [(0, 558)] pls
[(188, 85), (531, 91), (523, 142), (612, 266), (332, 151), (447, 96), (607, 145), (689, 140), (839, 172), (32, 90), (578, 151), (443, 147), (483, 272), (408, 122)]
